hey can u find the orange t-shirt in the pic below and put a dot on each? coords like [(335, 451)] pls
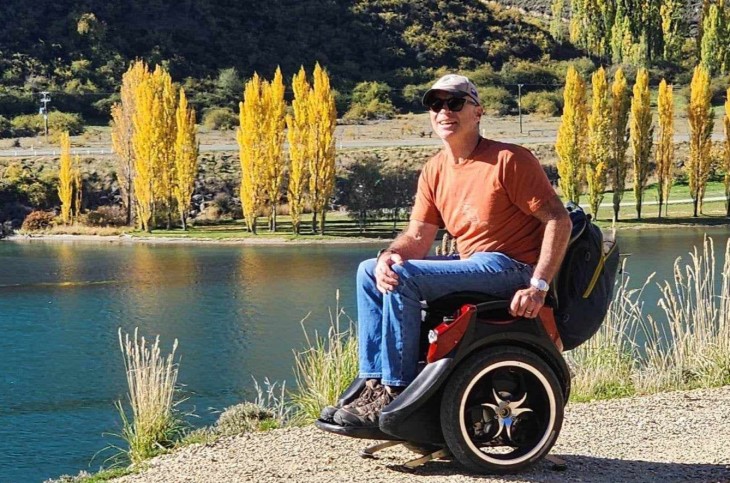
[(487, 201)]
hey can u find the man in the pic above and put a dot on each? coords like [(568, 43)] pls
[(511, 231)]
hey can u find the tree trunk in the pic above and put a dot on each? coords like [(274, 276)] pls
[(616, 205), (314, 222), (184, 223), (660, 208), (696, 203), (321, 222)]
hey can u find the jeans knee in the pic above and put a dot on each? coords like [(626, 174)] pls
[(366, 271)]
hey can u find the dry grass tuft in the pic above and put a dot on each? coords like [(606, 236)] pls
[(151, 379), (325, 369)]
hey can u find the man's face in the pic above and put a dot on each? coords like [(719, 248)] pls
[(449, 124)]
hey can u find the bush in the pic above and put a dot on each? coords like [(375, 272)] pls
[(27, 125), (58, 122), (245, 418), (38, 220), (5, 127), (496, 100), (543, 103), (114, 215), (220, 119), (70, 122), (371, 100), (526, 72)]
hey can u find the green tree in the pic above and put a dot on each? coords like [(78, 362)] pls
[(641, 135), (711, 45)]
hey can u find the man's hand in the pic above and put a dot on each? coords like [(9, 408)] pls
[(527, 302), (385, 278)]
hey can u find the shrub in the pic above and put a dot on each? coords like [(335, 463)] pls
[(245, 418), (58, 122), (220, 119), (114, 215), (38, 220), (70, 122), (527, 72), (27, 125), (496, 100), (5, 127), (543, 103), (371, 100)]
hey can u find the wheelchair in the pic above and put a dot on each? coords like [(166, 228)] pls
[(491, 390)]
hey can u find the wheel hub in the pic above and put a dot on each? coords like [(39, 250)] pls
[(505, 412)]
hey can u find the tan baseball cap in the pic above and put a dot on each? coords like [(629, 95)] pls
[(458, 85)]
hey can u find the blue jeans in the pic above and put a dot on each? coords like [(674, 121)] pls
[(389, 325)]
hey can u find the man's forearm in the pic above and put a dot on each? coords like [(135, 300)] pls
[(415, 241), (554, 244)]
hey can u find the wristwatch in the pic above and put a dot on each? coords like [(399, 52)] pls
[(539, 284)]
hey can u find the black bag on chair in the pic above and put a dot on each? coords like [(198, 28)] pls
[(584, 285)]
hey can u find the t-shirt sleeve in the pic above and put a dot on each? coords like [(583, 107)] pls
[(424, 207), (525, 180)]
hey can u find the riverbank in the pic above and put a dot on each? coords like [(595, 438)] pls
[(671, 437), (208, 237)]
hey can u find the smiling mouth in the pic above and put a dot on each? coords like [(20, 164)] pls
[(446, 123)]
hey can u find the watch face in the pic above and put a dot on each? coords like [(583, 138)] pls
[(540, 284)]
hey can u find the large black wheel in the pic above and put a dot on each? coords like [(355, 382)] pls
[(502, 410)]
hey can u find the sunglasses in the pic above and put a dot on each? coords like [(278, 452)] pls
[(455, 104)]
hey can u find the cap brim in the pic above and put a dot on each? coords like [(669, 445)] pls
[(430, 93)]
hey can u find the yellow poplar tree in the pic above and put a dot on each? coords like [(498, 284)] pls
[(726, 160), (78, 188), (665, 144), (298, 134), (571, 140), (252, 146), (123, 131), (701, 121), (275, 124), (620, 104), (186, 157), (641, 135), (65, 179), (164, 135), (323, 117), (145, 152), (599, 144)]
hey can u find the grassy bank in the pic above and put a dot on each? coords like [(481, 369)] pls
[(687, 347)]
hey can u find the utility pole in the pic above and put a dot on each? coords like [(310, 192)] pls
[(519, 103), (45, 99)]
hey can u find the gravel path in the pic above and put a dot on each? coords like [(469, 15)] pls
[(671, 437)]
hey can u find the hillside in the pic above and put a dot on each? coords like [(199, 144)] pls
[(78, 49)]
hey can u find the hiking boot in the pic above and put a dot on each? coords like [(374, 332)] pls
[(367, 415), (369, 393)]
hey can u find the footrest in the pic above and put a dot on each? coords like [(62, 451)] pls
[(361, 433)]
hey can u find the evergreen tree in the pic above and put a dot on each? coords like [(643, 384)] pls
[(571, 139), (641, 135), (701, 121), (665, 144)]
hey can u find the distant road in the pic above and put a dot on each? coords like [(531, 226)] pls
[(346, 144)]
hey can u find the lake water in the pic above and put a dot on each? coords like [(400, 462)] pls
[(235, 311)]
